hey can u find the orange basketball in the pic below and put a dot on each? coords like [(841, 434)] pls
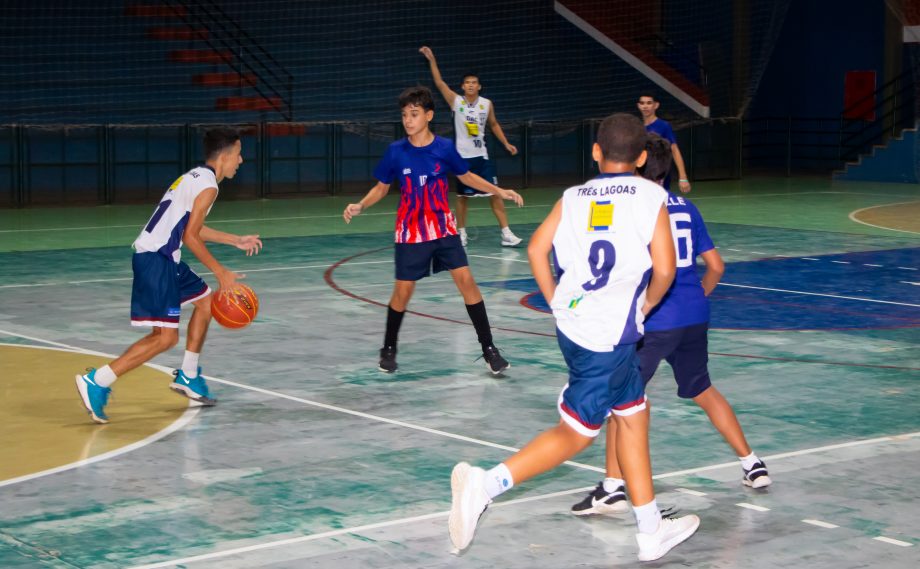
[(235, 308)]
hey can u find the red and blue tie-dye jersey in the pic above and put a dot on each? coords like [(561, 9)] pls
[(424, 213)]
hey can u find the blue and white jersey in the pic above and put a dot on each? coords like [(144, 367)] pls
[(685, 303), (163, 232), (470, 126), (601, 249)]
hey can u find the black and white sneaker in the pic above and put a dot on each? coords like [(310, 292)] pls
[(599, 501), (757, 476), (388, 359), (494, 360)]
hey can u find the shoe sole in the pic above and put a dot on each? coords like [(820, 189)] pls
[(667, 546), (759, 482), (499, 372), (510, 244), (618, 507), (185, 391), (84, 397), (459, 480), (387, 370)]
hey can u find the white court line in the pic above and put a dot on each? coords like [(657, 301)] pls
[(853, 214), (892, 541), (690, 492), (179, 423), (823, 295), (241, 220), (754, 507), (734, 464), (908, 268), (809, 259), (243, 271), (841, 262), (871, 265), (806, 293), (821, 524), (403, 521)]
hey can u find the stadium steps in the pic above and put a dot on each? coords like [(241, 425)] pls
[(243, 103), (896, 161), (225, 79), (200, 56), (619, 32)]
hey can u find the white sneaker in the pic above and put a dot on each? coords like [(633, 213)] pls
[(510, 240), (671, 531), (468, 501), (757, 476)]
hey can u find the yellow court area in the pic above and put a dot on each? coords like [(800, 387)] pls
[(898, 216), (45, 425)]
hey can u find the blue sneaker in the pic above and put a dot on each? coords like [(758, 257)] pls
[(95, 397), (194, 388)]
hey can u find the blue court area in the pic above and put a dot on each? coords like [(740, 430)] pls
[(859, 290)]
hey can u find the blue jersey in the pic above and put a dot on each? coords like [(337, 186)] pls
[(684, 304), (663, 129), (423, 213)]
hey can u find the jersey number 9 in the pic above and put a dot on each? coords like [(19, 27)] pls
[(601, 259)]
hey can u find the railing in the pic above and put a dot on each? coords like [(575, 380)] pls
[(106, 164), (791, 144), (273, 80), (894, 109)]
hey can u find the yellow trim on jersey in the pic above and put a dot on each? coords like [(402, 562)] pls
[(175, 184)]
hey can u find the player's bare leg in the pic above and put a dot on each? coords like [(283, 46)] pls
[(402, 293), (198, 325), (463, 278), (498, 209), (723, 419), (159, 340), (548, 450), (631, 436)]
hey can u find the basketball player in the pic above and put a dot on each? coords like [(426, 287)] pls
[(163, 283), (677, 331), (605, 235), (471, 114), (426, 233), (648, 106)]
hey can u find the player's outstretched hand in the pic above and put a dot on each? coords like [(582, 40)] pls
[(684, 186), (352, 210), (512, 149), (512, 196), (426, 51), (249, 243)]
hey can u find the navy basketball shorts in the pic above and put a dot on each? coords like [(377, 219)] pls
[(415, 261), (686, 350), (483, 168), (161, 286), (600, 383)]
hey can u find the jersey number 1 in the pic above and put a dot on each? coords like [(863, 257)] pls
[(161, 209), (601, 259)]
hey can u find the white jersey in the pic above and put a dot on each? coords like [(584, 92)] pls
[(470, 126), (602, 253), (163, 232)]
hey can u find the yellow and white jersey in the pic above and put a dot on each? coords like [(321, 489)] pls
[(470, 126), (163, 232), (602, 256)]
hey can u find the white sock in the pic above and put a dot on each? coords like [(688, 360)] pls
[(190, 364), (506, 231), (498, 480), (748, 462), (105, 376), (462, 230), (611, 484), (647, 517)]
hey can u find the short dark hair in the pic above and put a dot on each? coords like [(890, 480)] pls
[(658, 164), (418, 96), (216, 140), (470, 74), (649, 95), (622, 137)]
